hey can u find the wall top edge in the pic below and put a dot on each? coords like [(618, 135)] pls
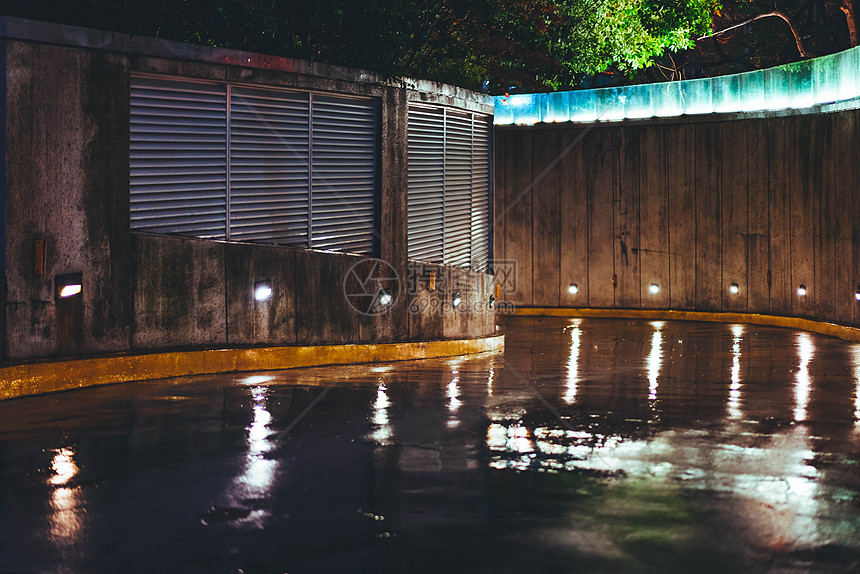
[(847, 105), (816, 85), (21, 29)]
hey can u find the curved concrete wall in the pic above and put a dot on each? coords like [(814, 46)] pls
[(65, 142), (690, 204)]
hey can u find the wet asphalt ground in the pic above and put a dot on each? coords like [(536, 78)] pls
[(590, 445)]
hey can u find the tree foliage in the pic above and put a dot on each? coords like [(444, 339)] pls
[(537, 44), (803, 28)]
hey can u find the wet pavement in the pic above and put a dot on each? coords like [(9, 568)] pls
[(591, 445)]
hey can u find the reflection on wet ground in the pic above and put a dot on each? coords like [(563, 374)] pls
[(589, 446)]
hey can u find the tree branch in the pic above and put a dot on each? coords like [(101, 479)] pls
[(777, 14), (847, 8)]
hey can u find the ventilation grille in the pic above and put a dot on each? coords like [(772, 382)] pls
[(253, 164)]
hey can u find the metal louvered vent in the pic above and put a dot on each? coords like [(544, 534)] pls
[(449, 186), (248, 163), (343, 174), (426, 182), (269, 166), (480, 193), (178, 161), (458, 188)]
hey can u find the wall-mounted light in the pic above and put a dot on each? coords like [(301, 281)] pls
[(262, 291), (654, 289), (573, 289), (801, 291), (384, 297), (857, 294), (68, 285), (492, 301), (734, 289), (455, 299)]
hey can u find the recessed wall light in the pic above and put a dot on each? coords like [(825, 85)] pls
[(573, 289), (68, 285), (734, 289), (384, 297), (455, 299), (70, 290), (801, 291), (262, 291), (654, 289)]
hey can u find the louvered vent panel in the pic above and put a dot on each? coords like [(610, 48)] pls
[(480, 193), (178, 161), (426, 180), (458, 188), (343, 162), (269, 166)]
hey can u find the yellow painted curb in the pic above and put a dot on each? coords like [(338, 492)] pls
[(38, 378), (822, 327)]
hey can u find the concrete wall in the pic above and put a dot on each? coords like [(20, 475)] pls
[(67, 183), (195, 293), (691, 205)]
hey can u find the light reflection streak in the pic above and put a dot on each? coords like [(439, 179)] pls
[(260, 473), (573, 364), (258, 476), (514, 440), (383, 432), (654, 359), (772, 475), (735, 389), (66, 516), (805, 350), (453, 393)]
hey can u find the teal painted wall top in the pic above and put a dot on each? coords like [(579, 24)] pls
[(798, 85)]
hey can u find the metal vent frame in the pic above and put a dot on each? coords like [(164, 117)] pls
[(449, 180), (283, 166)]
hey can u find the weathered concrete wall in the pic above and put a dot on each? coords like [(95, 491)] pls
[(180, 298), (194, 293), (690, 205), (3, 343), (260, 322), (429, 295), (67, 182)]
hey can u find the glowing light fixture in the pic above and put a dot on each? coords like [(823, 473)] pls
[(801, 291), (654, 289), (70, 290), (68, 285), (573, 289), (734, 289), (262, 291), (455, 299), (857, 294), (384, 297), (492, 301)]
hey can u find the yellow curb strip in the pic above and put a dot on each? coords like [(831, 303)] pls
[(822, 327), (38, 378)]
